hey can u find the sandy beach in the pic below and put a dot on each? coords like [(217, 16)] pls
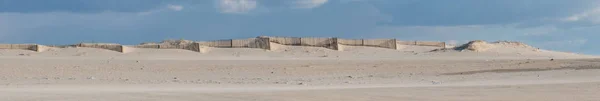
[(299, 73), (299, 50)]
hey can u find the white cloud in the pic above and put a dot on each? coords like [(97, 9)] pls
[(307, 4), (592, 15), (236, 6), (169, 7), (175, 7)]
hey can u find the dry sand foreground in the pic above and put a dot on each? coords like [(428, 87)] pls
[(299, 74)]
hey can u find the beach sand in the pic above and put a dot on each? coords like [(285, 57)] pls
[(298, 73)]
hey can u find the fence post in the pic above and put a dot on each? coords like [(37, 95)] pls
[(395, 43), (230, 43), (121, 49), (444, 43), (362, 43), (300, 38), (264, 43), (334, 44), (268, 43)]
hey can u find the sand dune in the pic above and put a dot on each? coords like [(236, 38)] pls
[(492, 51)]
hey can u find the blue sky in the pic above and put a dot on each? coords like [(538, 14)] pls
[(564, 25)]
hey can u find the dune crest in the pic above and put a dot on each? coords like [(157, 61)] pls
[(483, 46), (477, 46)]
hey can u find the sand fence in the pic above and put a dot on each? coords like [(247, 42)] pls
[(330, 43), (422, 43), (334, 43), (295, 41), (108, 46), (203, 46), (261, 42), (381, 43), (187, 46), (32, 47)]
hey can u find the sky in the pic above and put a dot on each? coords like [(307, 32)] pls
[(562, 25)]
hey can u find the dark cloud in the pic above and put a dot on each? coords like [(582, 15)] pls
[(350, 21), (84, 6)]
